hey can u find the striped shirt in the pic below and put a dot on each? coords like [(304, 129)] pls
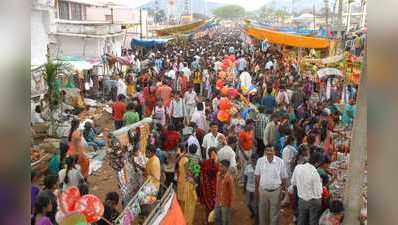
[(261, 123)]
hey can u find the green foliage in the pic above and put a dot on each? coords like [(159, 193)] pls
[(230, 12), (51, 71)]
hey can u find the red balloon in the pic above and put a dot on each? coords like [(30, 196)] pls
[(223, 116), (233, 92), (219, 84), (224, 104), (69, 199), (90, 206)]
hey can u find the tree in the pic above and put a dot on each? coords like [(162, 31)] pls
[(51, 71), (230, 12)]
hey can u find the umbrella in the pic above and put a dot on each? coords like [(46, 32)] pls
[(329, 72)]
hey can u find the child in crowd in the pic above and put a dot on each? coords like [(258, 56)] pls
[(334, 215), (250, 186), (110, 205)]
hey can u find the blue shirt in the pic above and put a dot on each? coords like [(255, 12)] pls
[(269, 103), (159, 64), (242, 64)]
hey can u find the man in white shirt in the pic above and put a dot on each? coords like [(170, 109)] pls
[(121, 87), (309, 189), (270, 184), (211, 139), (193, 140), (227, 153), (199, 117), (177, 112), (190, 103)]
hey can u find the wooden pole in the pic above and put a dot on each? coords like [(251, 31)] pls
[(353, 200)]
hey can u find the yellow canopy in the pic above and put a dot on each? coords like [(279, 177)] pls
[(181, 28), (286, 39)]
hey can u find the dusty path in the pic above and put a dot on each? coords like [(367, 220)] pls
[(104, 181)]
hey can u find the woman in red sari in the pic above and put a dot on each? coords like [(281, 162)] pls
[(149, 100), (208, 180)]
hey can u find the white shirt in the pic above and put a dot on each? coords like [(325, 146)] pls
[(199, 118), (210, 141), (245, 79), (227, 153), (192, 140), (288, 154), (271, 174), (171, 74), (282, 97), (121, 87), (251, 179), (190, 98), (36, 118), (74, 176), (308, 182), (268, 65), (178, 108)]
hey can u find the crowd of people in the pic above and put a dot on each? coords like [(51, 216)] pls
[(275, 146)]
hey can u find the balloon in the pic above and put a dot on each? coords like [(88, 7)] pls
[(224, 104), (224, 91), (233, 92), (69, 199), (223, 116), (219, 84), (91, 206)]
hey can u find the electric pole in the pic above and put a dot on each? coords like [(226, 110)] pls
[(140, 23), (353, 200)]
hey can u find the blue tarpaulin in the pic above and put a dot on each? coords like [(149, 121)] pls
[(148, 42), (291, 30)]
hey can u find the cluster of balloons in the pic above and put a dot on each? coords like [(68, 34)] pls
[(224, 114), (88, 205), (228, 61)]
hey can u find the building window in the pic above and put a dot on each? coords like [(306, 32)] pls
[(76, 11), (64, 10), (72, 11)]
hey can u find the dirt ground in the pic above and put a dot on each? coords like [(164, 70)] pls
[(104, 181)]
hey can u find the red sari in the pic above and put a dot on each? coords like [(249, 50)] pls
[(208, 181), (150, 101)]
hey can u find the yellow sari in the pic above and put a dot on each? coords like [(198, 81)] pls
[(186, 192)]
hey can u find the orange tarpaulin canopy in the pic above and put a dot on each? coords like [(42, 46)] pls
[(286, 39)]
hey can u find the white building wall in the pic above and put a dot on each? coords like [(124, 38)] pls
[(39, 38), (88, 48)]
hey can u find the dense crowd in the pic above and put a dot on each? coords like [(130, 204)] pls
[(245, 115)]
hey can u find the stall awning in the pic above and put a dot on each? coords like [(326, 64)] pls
[(181, 28), (78, 63), (148, 42), (277, 37)]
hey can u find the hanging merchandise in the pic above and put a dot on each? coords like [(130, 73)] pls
[(146, 195)]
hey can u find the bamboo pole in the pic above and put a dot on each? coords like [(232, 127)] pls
[(353, 191)]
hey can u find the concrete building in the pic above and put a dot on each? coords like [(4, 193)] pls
[(91, 28)]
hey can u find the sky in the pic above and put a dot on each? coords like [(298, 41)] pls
[(247, 4)]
